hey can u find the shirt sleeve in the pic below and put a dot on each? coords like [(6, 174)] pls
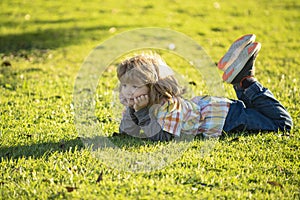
[(213, 115), (129, 125), (150, 127), (140, 124)]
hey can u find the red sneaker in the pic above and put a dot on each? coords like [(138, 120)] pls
[(237, 66), (234, 50)]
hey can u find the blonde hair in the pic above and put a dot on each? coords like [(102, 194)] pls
[(150, 69)]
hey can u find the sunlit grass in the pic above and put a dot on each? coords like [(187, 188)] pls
[(42, 47)]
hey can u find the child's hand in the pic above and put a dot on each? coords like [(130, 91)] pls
[(140, 102)]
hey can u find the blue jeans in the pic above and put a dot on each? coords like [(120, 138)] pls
[(256, 110)]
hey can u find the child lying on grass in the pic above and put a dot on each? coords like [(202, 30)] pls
[(155, 108)]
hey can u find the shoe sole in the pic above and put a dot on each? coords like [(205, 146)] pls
[(234, 51), (234, 69)]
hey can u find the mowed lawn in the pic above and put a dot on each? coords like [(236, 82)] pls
[(43, 45)]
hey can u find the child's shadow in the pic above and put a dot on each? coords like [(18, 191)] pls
[(126, 141)]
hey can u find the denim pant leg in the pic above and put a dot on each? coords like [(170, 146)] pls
[(257, 110)]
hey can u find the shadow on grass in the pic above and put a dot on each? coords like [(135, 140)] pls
[(43, 149), (40, 149), (119, 140), (51, 38)]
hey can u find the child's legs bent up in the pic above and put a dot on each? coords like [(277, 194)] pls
[(257, 109)]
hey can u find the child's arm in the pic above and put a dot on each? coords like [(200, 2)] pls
[(128, 125), (137, 117), (133, 122), (149, 125)]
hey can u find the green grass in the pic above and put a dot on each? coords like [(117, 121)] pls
[(42, 47)]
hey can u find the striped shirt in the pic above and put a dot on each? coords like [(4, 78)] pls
[(204, 115)]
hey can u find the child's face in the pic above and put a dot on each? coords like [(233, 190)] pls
[(131, 90)]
